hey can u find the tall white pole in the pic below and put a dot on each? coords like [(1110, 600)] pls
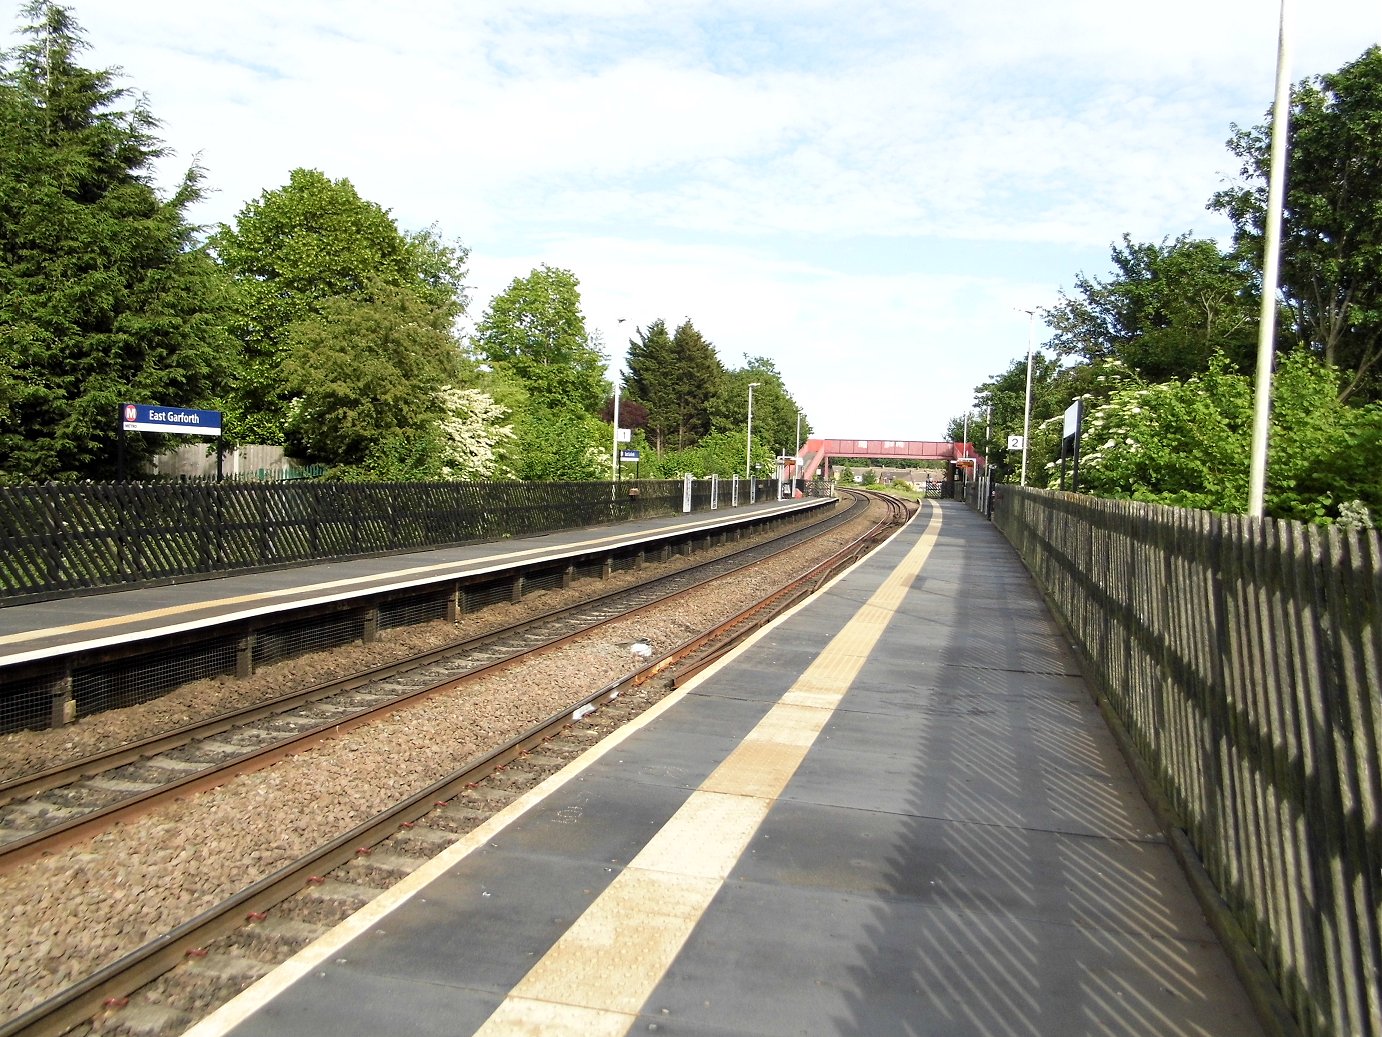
[(1271, 247), (796, 450), (748, 434), (1027, 407), (618, 363)]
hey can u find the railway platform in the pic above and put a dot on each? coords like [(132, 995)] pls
[(88, 623), (895, 810)]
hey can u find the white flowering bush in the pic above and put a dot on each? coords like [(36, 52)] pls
[(471, 434), (1178, 443), (1188, 443), (1355, 514)]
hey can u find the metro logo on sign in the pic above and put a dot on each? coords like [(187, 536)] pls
[(145, 417)]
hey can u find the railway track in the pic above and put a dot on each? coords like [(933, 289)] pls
[(337, 878), (44, 811)]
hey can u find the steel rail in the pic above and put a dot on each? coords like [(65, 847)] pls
[(65, 833), (110, 985)]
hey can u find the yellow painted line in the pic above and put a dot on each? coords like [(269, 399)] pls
[(471, 566), (600, 973)]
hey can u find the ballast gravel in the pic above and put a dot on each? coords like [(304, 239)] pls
[(68, 914)]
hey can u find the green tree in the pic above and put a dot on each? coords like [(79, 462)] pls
[(1165, 312), (675, 376), (1179, 443), (464, 445), (535, 329), (650, 360), (1004, 400), (367, 368), (1186, 443), (104, 295), (720, 453), (295, 247), (774, 410), (1331, 244), (558, 445)]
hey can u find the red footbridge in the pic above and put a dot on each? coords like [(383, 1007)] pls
[(818, 454)]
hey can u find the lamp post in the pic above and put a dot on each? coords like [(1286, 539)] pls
[(796, 452), (1271, 260), (748, 434), (614, 455), (1027, 407)]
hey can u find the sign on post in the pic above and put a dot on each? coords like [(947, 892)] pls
[(151, 417), (1015, 442)]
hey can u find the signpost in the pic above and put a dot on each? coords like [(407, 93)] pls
[(1070, 443), (144, 417), (184, 421)]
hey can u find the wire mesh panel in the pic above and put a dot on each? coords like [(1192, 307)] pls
[(544, 579), (129, 682), (27, 703), (420, 608), (476, 596), (315, 634), (590, 569)]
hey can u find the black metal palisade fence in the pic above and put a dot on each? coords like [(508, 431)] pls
[(63, 538), (1242, 657)]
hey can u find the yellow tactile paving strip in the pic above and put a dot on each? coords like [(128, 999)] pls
[(596, 978)]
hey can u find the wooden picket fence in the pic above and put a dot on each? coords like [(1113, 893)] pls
[(1243, 658)]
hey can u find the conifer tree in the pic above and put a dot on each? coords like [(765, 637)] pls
[(675, 376), (105, 296)]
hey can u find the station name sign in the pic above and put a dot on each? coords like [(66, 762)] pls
[(147, 417)]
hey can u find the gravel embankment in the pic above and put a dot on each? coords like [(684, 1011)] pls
[(69, 913)]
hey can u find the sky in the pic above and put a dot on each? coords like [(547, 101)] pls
[(868, 194)]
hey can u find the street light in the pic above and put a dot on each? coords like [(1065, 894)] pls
[(748, 434), (1027, 408), (796, 453), (614, 455), (1271, 260)]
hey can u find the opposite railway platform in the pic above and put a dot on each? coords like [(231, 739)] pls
[(90, 622), (894, 810)]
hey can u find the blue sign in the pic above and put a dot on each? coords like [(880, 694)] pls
[(150, 417), (628, 455)]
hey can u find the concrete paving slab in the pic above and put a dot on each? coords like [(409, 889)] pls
[(783, 959), (1129, 886)]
